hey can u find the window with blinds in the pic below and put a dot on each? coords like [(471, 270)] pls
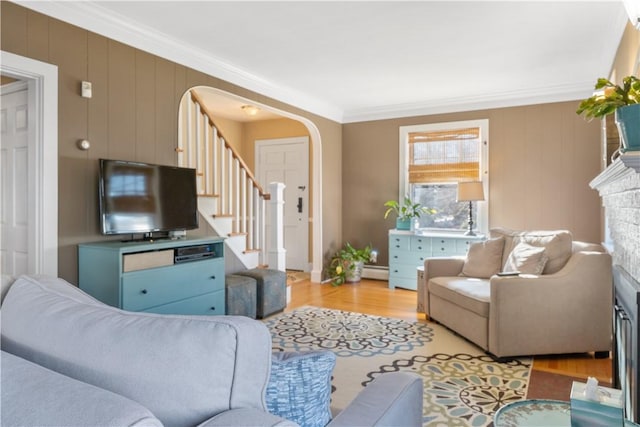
[(434, 159), (444, 156)]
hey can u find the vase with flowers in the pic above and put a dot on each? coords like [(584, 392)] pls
[(624, 102)]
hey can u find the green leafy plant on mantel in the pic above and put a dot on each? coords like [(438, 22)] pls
[(346, 264), (406, 210), (609, 97)]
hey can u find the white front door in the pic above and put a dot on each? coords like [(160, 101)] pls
[(286, 160), (14, 212)]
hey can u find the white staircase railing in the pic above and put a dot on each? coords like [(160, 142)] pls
[(222, 176)]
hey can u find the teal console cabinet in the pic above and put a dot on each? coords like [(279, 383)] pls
[(408, 250), (184, 276)]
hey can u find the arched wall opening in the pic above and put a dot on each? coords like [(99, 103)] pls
[(222, 102)]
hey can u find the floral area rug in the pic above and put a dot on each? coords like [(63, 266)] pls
[(462, 385)]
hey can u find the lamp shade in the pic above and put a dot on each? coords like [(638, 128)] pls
[(470, 191)]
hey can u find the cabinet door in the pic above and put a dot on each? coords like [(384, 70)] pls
[(149, 288)]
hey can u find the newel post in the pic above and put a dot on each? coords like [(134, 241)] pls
[(276, 253)]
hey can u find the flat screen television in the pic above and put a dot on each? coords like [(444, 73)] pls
[(146, 198)]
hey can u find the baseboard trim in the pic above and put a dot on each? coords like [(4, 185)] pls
[(375, 272)]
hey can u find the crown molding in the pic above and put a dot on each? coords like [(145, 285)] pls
[(481, 102), (95, 18)]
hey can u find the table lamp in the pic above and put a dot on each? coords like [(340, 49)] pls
[(470, 192)]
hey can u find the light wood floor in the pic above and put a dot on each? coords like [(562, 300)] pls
[(374, 297)]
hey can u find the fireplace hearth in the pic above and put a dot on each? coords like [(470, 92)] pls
[(626, 374)]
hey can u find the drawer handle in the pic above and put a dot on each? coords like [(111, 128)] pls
[(395, 271), (144, 291), (420, 247), (441, 241), (213, 277), (395, 256), (213, 308)]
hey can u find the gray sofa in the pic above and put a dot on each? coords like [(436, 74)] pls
[(564, 308), (69, 360)]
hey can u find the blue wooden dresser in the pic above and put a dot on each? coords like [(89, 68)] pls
[(184, 276), (408, 250)]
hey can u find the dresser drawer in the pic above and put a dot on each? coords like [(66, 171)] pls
[(150, 288), (399, 242), (442, 246), (207, 304), (421, 244), (408, 271)]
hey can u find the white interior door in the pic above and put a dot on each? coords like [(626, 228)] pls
[(287, 160), (14, 210)]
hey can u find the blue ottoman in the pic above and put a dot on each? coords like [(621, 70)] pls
[(240, 295), (272, 290)]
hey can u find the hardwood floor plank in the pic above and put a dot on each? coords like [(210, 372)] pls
[(375, 298)]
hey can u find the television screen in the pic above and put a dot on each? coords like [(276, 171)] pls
[(144, 198)]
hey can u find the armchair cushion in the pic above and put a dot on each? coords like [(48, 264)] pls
[(526, 259), (299, 388), (557, 244), (484, 259)]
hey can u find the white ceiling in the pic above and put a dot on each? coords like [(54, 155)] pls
[(362, 60)]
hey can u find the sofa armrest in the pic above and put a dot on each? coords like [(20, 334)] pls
[(392, 399), (437, 267), (575, 302)]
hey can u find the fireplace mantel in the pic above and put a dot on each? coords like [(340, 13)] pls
[(627, 163)]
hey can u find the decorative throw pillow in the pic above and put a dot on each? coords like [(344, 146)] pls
[(484, 259), (526, 259), (557, 244), (299, 388)]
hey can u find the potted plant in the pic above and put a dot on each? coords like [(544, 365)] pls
[(347, 264), (406, 212), (624, 101)]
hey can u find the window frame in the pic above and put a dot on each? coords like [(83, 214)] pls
[(482, 207)]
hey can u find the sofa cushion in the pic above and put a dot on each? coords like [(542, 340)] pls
[(484, 259), (526, 259), (156, 360), (471, 294), (35, 396), (300, 387), (557, 244)]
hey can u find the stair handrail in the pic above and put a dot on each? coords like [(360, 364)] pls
[(203, 108)]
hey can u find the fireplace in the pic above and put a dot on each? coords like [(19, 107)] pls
[(626, 373)]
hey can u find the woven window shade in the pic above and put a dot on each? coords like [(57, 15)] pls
[(444, 156)]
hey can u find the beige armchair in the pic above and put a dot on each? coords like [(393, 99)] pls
[(565, 310)]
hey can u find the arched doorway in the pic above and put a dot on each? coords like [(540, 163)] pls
[(228, 107)]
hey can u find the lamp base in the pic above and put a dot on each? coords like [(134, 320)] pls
[(470, 233)]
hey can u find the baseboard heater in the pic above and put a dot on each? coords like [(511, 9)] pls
[(375, 272)]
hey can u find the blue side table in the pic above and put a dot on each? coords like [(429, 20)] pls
[(536, 413)]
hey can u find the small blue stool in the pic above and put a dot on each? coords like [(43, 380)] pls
[(240, 295), (271, 290)]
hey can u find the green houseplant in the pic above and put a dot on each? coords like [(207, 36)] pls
[(406, 211), (347, 264), (624, 102)]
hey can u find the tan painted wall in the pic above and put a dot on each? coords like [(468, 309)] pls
[(132, 116), (541, 159)]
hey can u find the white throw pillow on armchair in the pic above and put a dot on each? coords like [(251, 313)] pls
[(526, 259)]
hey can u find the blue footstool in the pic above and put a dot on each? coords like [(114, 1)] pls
[(240, 295), (271, 290)]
